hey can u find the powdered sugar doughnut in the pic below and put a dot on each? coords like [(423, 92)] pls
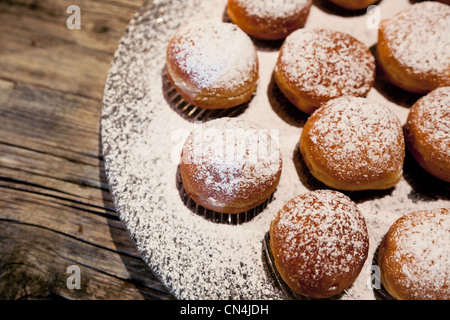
[(319, 242), (427, 133), (414, 47), (213, 65), (353, 144), (354, 4), (230, 165), (269, 19), (317, 65), (414, 256)]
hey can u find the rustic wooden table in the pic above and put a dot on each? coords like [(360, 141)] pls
[(55, 207)]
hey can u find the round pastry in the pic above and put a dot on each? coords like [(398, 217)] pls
[(269, 19), (353, 144), (427, 133), (319, 242), (414, 256), (413, 47), (317, 65), (230, 165), (213, 65), (354, 4)]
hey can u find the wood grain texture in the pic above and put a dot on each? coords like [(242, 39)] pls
[(55, 205)]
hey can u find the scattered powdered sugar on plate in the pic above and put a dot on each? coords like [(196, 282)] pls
[(196, 258)]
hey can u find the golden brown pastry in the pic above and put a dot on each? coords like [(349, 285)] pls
[(354, 144), (427, 133), (319, 242), (354, 4), (413, 47), (213, 65), (317, 65), (269, 19), (230, 165), (414, 256)]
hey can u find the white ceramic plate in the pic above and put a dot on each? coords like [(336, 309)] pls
[(144, 125)]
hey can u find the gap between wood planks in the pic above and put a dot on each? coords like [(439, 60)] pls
[(55, 206)]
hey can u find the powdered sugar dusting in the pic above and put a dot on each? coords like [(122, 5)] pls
[(325, 63), (419, 38), (193, 257), (422, 242), (214, 54), (273, 9), (357, 136)]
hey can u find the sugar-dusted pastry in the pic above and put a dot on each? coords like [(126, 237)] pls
[(353, 144), (230, 165), (413, 47), (319, 242), (354, 4), (213, 65), (427, 132), (269, 19), (414, 256), (317, 65)]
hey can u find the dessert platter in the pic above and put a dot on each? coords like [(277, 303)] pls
[(351, 199)]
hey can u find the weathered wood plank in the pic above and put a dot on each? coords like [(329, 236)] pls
[(52, 139), (55, 207), (36, 268), (98, 235)]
